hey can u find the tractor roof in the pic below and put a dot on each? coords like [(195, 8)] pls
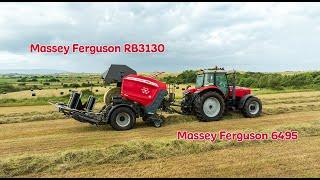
[(211, 70)]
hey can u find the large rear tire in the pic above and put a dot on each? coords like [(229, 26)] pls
[(122, 118), (252, 108), (209, 106)]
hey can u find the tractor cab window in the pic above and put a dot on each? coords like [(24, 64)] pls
[(199, 81), (209, 80), (222, 82)]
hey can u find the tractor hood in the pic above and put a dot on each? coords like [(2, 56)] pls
[(116, 72), (240, 91)]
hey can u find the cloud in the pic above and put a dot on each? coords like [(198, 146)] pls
[(246, 36)]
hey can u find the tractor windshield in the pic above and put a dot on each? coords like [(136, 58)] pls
[(205, 80), (199, 81), (209, 79)]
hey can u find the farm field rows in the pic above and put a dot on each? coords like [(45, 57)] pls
[(263, 160), (34, 141), (48, 92)]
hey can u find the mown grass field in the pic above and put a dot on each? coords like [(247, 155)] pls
[(36, 141), (27, 94)]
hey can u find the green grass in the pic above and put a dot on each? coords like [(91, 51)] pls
[(7, 80)]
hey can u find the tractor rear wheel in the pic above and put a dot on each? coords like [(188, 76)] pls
[(209, 106), (252, 108), (122, 118)]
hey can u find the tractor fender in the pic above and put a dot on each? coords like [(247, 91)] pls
[(203, 90), (117, 106), (243, 100)]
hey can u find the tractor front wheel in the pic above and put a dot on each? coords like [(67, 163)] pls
[(209, 106), (122, 118), (252, 108)]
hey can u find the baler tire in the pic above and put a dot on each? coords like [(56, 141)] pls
[(117, 116), (246, 108), (198, 106)]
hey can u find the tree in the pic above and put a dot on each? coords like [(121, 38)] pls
[(74, 85)]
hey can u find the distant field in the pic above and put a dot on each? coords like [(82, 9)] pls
[(48, 92), (14, 83), (160, 75), (43, 96)]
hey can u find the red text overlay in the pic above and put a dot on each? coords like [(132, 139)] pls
[(237, 136), (95, 49)]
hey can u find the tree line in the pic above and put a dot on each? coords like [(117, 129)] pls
[(258, 79)]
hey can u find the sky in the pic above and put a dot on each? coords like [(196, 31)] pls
[(267, 37)]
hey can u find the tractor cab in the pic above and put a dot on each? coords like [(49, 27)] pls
[(219, 78), (213, 77)]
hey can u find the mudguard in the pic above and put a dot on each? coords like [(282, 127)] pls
[(209, 88), (243, 100), (151, 109)]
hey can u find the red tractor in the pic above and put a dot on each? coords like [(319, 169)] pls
[(140, 96), (213, 94)]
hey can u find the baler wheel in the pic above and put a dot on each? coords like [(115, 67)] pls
[(209, 106), (252, 108), (122, 118)]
